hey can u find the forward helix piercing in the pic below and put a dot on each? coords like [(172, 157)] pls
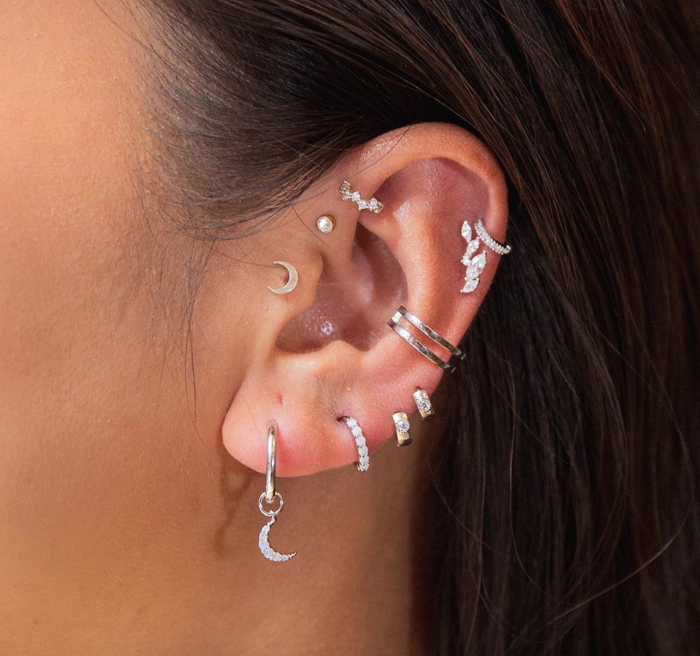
[(475, 263), (269, 496), (373, 205), (292, 279), (447, 365), (360, 443), (424, 405), (403, 436)]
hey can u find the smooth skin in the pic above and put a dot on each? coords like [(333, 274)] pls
[(128, 504)]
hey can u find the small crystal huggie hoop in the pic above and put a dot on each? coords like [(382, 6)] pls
[(402, 312), (360, 443), (269, 495), (424, 405), (373, 205), (475, 263), (403, 436)]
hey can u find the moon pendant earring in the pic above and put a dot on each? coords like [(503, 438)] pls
[(292, 279), (269, 496)]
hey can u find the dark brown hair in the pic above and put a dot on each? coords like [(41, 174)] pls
[(569, 516)]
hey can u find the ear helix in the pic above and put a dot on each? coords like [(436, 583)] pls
[(475, 264)]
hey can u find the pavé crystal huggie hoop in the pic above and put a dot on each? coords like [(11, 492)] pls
[(360, 443), (403, 436), (402, 312), (269, 496), (373, 205), (424, 405), (475, 263)]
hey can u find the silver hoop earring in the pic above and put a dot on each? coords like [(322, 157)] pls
[(360, 443), (373, 205), (476, 263), (269, 496), (402, 312), (292, 279), (424, 405)]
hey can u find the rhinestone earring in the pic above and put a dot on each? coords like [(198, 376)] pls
[(373, 205), (424, 405), (360, 443), (476, 263), (269, 496), (403, 435), (402, 312)]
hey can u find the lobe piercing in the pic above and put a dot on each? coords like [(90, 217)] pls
[(373, 205), (325, 223), (292, 280), (426, 330), (403, 436), (475, 265), (424, 405), (360, 443), (269, 496)]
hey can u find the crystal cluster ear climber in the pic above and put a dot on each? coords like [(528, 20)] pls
[(360, 443), (475, 263), (373, 205)]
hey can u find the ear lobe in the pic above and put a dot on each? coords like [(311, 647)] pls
[(430, 179)]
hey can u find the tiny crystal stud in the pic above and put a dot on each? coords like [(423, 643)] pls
[(425, 407), (403, 437), (325, 223), (373, 205), (360, 443)]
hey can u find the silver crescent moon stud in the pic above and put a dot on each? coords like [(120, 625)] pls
[(292, 280)]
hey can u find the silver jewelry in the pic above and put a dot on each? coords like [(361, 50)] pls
[(426, 330), (269, 496), (325, 223), (292, 279), (403, 436), (373, 205), (424, 405), (475, 263), (360, 443)]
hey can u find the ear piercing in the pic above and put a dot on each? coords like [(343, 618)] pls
[(269, 496), (424, 405), (360, 443), (325, 223), (292, 279), (403, 436), (426, 330), (475, 265), (373, 205)]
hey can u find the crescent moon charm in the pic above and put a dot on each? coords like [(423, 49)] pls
[(292, 280), (265, 547)]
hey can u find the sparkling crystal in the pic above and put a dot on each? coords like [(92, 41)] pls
[(472, 247), (324, 224), (466, 231), (357, 431), (424, 405), (351, 422), (476, 266), (363, 451), (360, 441), (402, 426), (470, 286)]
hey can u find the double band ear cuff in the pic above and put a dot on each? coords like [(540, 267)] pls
[(373, 205), (403, 435), (424, 405), (475, 263), (360, 443), (402, 312), (269, 496)]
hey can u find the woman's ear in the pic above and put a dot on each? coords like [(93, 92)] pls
[(325, 351)]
